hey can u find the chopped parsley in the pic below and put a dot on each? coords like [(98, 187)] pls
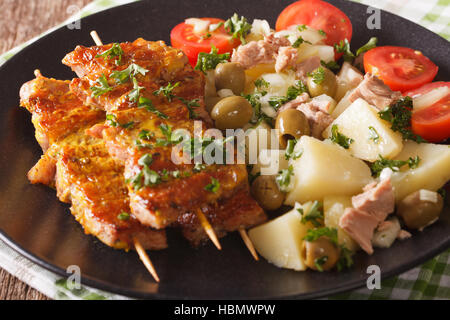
[(315, 215), (112, 119), (209, 61), (345, 259), (238, 28), (213, 186), (124, 216), (314, 234), (258, 114), (373, 135), (191, 105), (299, 41), (292, 93), (146, 135), (261, 84), (167, 91), (284, 178), (394, 165), (372, 43), (290, 153), (399, 115), (344, 47), (102, 87), (134, 94), (319, 262), (302, 27), (130, 72), (115, 52), (322, 33), (339, 138), (146, 177), (317, 75), (148, 105), (332, 65)]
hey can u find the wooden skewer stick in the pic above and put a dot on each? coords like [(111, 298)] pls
[(208, 229), (145, 259), (248, 243), (96, 38), (137, 245)]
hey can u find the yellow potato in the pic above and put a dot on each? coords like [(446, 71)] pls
[(371, 135), (431, 174), (280, 241), (333, 209), (325, 169)]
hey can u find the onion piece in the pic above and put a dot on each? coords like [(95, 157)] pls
[(430, 98)]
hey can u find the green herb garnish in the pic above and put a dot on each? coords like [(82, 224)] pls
[(317, 75), (315, 215), (373, 135), (344, 47), (394, 165), (319, 262), (284, 177), (115, 52), (238, 28), (124, 216), (290, 154), (167, 91), (209, 61), (134, 94), (399, 115), (112, 119), (148, 105), (314, 234), (130, 72), (213, 186), (339, 138), (372, 43), (102, 87), (299, 41)]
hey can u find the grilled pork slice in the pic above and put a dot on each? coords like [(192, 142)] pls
[(144, 112), (80, 166)]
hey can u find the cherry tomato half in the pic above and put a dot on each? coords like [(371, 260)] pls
[(319, 15), (183, 37), (400, 68), (432, 123)]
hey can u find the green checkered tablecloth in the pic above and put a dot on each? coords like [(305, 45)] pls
[(429, 281)]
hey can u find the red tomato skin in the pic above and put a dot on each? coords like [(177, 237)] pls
[(432, 123), (317, 14), (383, 62), (426, 88), (192, 47)]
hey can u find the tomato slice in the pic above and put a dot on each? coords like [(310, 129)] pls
[(319, 15), (183, 37), (400, 68), (432, 123), (426, 88)]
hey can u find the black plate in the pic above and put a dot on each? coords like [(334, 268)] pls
[(37, 225)]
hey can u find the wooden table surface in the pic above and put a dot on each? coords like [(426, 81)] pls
[(21, 20)]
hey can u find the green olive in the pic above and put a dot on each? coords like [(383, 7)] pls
[(232, 113), (230, 76), (210, 102), (320, 254), (292, 124), (327, 86), (266, 192), (417, 212)]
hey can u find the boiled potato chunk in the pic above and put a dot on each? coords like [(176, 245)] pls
[(325, 169), (371, 135), (431, 174), (347, 79), (333, 209), (280, 240), (270, 162)]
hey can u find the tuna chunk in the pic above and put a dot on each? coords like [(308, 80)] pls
[(375, 92), (371, 209), (377, 199), (294, 103), (287, 57), (307, 66), (256, 52), (360, 226), (318, 119)]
